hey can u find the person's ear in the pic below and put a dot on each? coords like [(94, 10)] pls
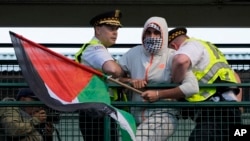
[(175, 46), (172, 45), (98, 30)]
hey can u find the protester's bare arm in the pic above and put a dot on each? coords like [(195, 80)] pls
[(154, 95), (180, 65), (136, 83), (112, 68), (239, 95), (188, 87)]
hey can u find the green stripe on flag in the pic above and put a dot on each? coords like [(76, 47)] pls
[(95, 91), (127, 125)]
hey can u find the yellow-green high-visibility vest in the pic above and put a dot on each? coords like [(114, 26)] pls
[(78, 55), (218, 67), (113, 92)]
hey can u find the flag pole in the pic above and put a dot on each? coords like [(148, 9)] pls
[(124, 85)]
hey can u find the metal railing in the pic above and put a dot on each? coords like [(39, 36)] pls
[(11, 80)]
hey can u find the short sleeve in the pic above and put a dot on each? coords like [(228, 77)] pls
[(96, 56), (192, 50)]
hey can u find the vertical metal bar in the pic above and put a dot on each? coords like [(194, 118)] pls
[(107, 128)]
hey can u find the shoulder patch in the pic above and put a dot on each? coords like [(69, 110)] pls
[(98, 47)]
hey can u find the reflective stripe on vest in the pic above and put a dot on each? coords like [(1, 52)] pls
[(211, 73), (218, 67)]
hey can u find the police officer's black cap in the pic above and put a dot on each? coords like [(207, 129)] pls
[(26, 92), (109, 18), (174, 33)]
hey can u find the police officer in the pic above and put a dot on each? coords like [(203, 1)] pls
[(209, 66), (96, 55)]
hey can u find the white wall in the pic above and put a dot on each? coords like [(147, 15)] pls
[(125, 36)]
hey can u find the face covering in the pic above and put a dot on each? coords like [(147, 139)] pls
[(152, 45)]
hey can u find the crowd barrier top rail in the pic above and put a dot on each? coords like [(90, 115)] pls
[(158, 104), (153, 86)]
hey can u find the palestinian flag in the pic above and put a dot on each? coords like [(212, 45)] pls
[(64, 85)]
